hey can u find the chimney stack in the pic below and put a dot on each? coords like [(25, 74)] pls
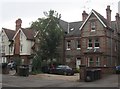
[(84, 15), (117, 17), (18, 24), (108, 13)]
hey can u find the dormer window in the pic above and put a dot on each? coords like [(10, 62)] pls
[(71, 29), (93, 26)]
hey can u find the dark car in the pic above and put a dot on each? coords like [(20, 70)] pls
[(117, 69), (61, 69)]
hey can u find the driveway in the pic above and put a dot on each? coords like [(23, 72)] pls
[(75, 77), (48, 80)]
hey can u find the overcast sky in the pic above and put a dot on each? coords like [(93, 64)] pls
[(70, 10)]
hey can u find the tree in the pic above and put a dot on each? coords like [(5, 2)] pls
[(49, 35)]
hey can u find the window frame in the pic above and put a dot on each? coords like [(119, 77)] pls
[(78, 45), (98, 61), (93, 26), (68, 45), (96, 42), (21, 48), (90, 43), (90, 63), (3, 48)]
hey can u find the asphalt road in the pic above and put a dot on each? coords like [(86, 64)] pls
[(33, 81)]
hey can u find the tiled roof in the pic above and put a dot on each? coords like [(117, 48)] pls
[(63, 25), (10, 33), (74, 28), (29, 33), (115, 25), (102, 18)]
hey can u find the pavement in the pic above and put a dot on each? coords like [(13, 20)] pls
[(50, 80)]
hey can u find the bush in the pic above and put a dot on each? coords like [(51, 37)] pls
[(36, 72), (76, 70)]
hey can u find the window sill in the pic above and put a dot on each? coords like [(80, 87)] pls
[(78, 48), (92, 30), (68, 49), (89, 48)]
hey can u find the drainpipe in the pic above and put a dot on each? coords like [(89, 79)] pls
[(68, 27), (111, 50)]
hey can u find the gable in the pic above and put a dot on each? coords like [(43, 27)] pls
[(29, 33), (98, 16), (9, 33), (3, 34)]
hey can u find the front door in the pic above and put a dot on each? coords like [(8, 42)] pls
[(78, 62)]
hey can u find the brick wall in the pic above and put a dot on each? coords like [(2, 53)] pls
[(104, 70)]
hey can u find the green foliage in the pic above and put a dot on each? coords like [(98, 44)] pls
[(36, 63), (36, 72), (18, 61), (49, 36)]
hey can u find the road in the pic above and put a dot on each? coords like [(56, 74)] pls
[(38, 81)]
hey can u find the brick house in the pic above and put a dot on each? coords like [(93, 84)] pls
[(96, 38), (17, 44), (94, 41)]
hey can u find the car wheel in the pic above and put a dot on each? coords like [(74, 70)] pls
[(69, 74), (50, 72), (65, 73)]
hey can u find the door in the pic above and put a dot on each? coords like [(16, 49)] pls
[(78, 62)]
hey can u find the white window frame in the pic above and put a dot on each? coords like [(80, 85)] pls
[(4, 60), (90, 61), (98, 61), (2, 38), (68, 43), (92, 26), (3, 48), (21, 48), (96, 42), (89, 43), (11, 49)]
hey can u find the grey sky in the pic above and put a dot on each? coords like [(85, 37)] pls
[(70, 10)]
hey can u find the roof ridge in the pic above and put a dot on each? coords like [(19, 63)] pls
[(8, 29)]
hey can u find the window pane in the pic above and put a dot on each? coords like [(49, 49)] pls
[(68, 44), (78, 44), (90, 43), (97, 43), (92, 25), (98, 61), (91, 62)]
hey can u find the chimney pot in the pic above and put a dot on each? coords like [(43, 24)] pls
[(18, 24), (84, 15), (117, 17), (108, 15)]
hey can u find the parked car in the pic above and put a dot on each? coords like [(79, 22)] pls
[(117, 69), (61, 69)]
